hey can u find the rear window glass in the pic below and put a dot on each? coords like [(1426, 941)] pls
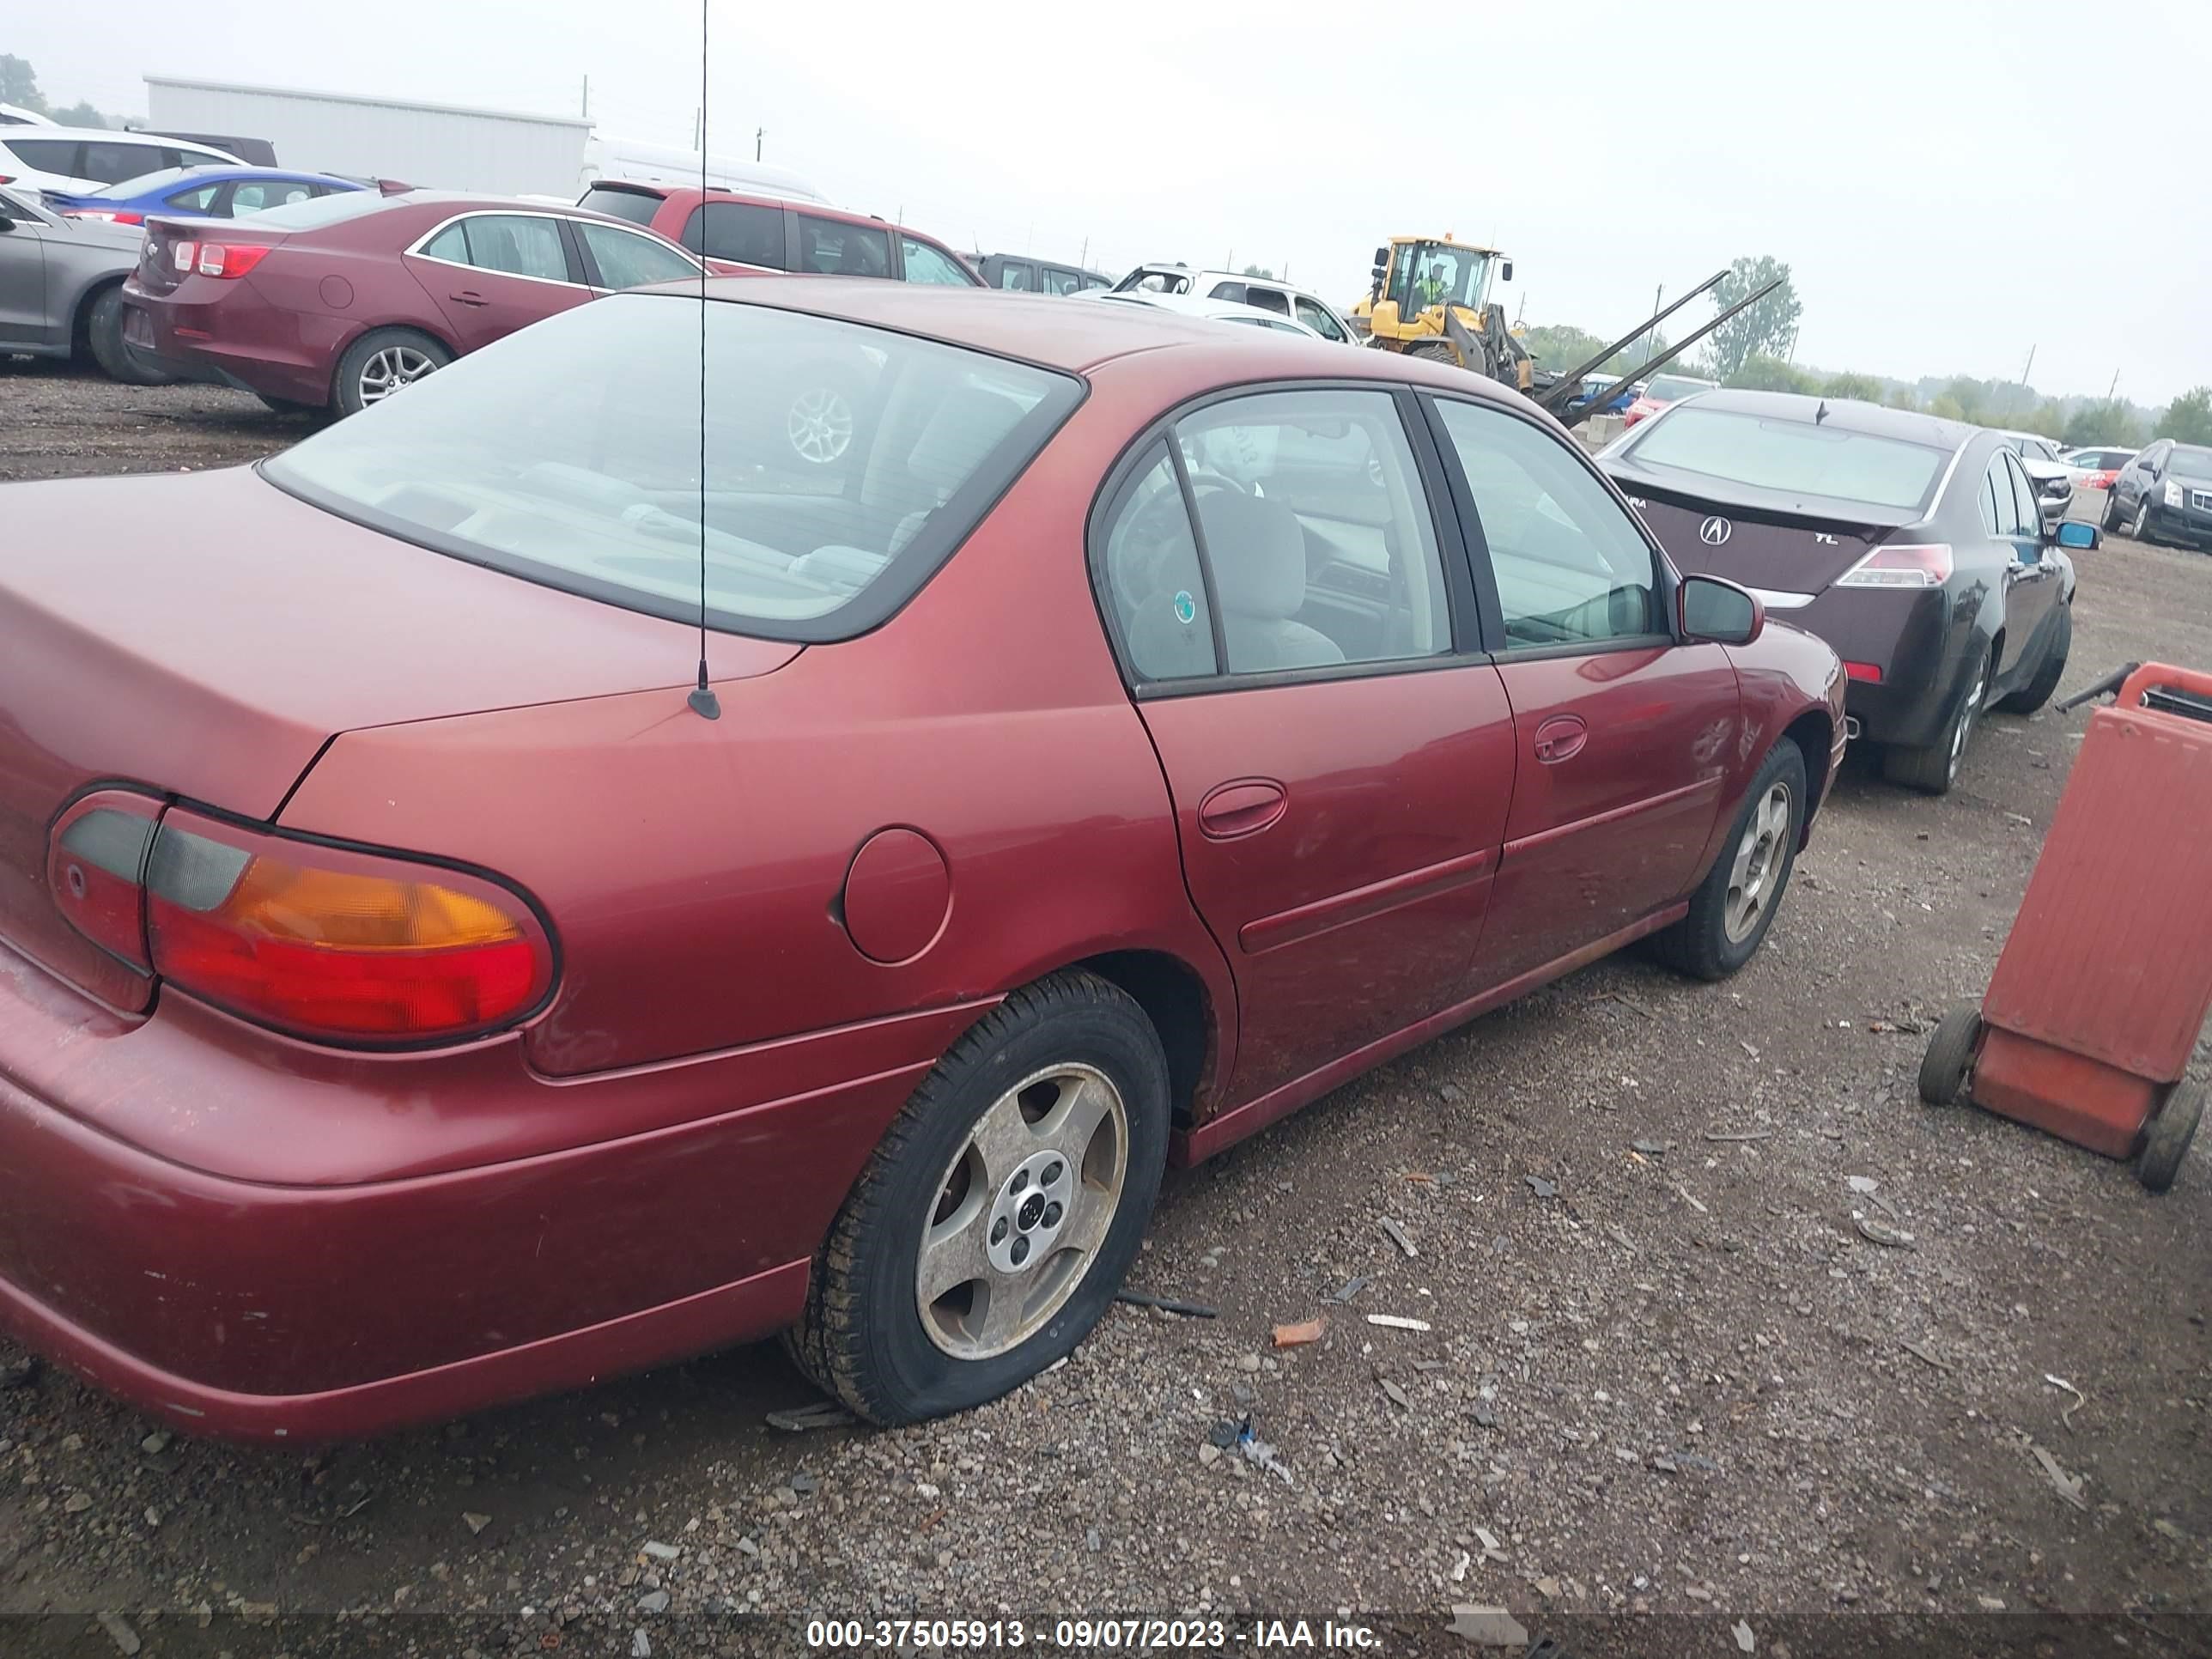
[(637, 206), (1673, 388), (1796, 457), (319, 210), (843, 463)]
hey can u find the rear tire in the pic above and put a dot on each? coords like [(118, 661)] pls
[(104, 333), (1734, 905), (1933, 769), (974, 1167), (2171, 1131), (381, 362), (1435, 351), (2037, 692), (1950, 1057)]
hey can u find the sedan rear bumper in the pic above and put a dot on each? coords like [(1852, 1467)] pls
[(235, 338), (252, 1309), (1898, 651)]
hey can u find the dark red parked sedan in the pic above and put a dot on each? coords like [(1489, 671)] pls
[(342, 301), (417, 994), (754, 235)]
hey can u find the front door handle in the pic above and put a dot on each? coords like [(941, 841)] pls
[(469, 296), (1560, 738), (1243, 807)]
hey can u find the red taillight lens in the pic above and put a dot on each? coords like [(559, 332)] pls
[(104, 217), (325, 943), (1868, 671), (1920, 565), (227, 260), (96, 868)]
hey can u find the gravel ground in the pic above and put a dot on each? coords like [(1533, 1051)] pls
[(1666, 1374)]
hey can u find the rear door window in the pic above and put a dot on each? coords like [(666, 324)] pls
[(255, 195), (830, 247), (112, 162), (520, 245), (2027, 514), (744, 232), (193, 201), (1231, 291), (1017, 274), (1268, 299)]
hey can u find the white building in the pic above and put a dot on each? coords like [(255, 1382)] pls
[(437, 145)]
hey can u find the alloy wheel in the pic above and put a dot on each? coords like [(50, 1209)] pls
[(1760, 856), (820, 426), (1022, 1210), (2140, 529), (392, 367)]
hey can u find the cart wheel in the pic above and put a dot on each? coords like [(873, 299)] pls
[(1950, 1055), (2171, 1131)]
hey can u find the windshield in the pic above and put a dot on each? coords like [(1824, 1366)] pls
[(1673, 388), (1441, 274), (843, 463), (1796, 457), (2191, 462)]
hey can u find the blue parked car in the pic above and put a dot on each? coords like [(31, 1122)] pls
[(202, 192), (1611, 395)]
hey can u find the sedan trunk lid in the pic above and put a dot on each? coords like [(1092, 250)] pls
[(1776, 550), (206, 636)]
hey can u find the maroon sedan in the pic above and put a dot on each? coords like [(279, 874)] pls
[(342, 301), (427, 981), (753, 235)]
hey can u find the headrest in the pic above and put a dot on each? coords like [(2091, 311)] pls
[(1259, 554), (968, 425)]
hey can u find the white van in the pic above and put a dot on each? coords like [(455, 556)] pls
[(658, 164)]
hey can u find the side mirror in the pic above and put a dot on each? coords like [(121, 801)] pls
[(2077, 533), (1382, 259), (1716, 612), (1505, 271)]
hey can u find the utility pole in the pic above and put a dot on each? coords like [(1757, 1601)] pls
[(699, 128), (587, 97), (2031, 365), (759, 134), (1085, 261), (2113, 391)]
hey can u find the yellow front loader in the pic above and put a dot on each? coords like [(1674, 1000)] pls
[(1431, 299)]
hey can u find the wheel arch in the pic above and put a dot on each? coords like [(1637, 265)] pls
[(1174, 999), (80, 334), (1814, 734), (354, 337)]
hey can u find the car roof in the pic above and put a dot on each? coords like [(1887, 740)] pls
[(1052, 332), (721, 193), (1193, 305), (119, 136), (1844, 413)]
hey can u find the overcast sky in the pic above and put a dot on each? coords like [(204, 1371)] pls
[(1952, 182)]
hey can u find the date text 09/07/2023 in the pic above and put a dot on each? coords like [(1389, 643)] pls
[(1089, 1635)]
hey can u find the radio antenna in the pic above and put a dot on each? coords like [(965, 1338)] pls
[(703, 698)]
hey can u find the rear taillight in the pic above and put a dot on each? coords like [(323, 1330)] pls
[(227, 260), (124, 218), (327, 943), (1919, 565), (1868, 672)]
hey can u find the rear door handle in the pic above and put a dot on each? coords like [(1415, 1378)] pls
[(1243, 807), (469, 296), (1560, 737)]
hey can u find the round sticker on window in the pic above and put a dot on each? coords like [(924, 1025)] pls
[(1186, 608)]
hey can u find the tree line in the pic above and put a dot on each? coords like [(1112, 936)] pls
[(19, 85), (1754, 350)]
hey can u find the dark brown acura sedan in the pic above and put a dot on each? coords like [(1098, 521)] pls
[(1913, 545)]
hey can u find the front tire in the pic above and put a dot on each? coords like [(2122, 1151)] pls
[(383, 361), (2109, 520), (1933, 769), (2139, 527), (2048, 672), (103, 329), (1734, 905), (994, 1224)]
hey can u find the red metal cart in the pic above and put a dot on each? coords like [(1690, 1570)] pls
[(2102, 990)]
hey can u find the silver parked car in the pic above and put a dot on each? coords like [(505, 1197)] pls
[(61, 287)]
